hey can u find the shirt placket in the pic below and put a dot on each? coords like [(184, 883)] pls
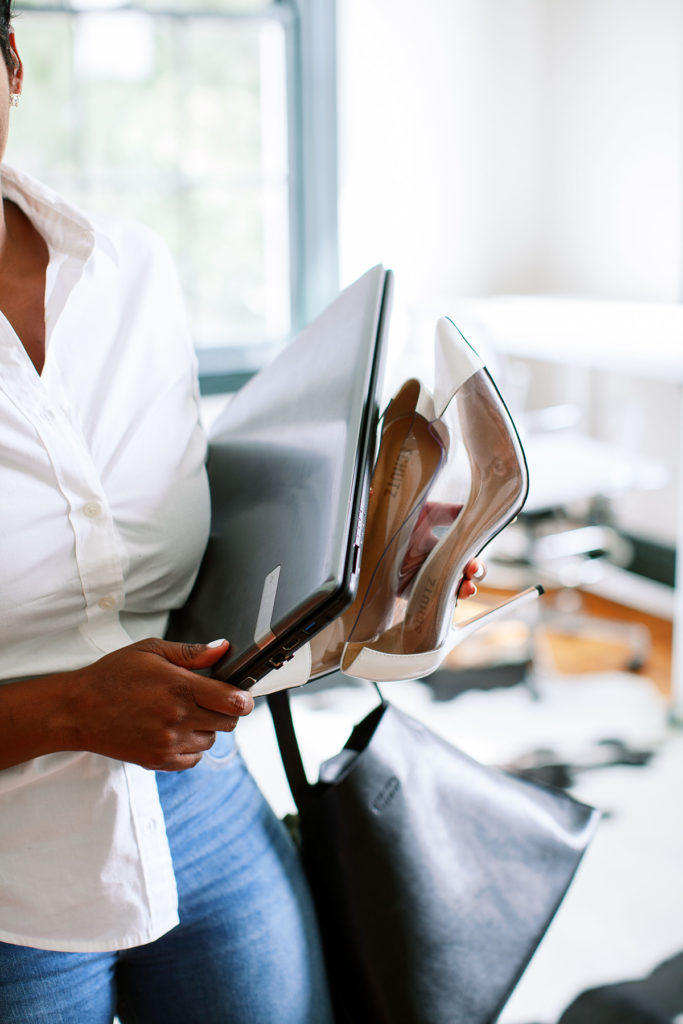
[(101, 567), (97, 549), (96, 545)]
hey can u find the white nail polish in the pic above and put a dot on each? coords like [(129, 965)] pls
[(216, 643)]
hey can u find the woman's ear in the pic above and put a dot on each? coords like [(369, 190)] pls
[(16, 78)]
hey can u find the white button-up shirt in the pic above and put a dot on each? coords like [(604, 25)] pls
[(104, 515)]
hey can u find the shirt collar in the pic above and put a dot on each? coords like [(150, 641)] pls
[(63, 226)]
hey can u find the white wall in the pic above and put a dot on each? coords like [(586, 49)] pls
[(519, 146), (613, 129), (439, 142), (514, 145)]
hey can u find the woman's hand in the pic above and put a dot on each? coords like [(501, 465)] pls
[(146, 703)]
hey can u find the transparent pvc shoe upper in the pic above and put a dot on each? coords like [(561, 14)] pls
[(450, 474), (413, 450)]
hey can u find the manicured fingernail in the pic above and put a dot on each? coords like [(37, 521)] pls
[(217, 643), (479, 574), (245, 703)]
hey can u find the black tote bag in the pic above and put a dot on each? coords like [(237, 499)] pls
[(434, 877)]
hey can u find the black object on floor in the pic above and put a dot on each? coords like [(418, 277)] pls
[(447, 683), (547, 767), (655, 999)]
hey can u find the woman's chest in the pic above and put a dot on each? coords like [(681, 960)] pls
[(102, 493)]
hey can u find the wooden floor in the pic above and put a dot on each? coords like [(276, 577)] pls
[(580, 640), (575, 653)]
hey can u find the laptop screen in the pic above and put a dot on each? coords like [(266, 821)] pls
[(290, 459)]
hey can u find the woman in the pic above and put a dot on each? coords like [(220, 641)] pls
[(128, 885)]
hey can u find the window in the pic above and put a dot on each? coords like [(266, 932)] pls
[(212, 121)]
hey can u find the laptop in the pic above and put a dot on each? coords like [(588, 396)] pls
[(289, 464)]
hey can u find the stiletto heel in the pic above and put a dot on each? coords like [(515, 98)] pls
[(497, 490), (412, 451)]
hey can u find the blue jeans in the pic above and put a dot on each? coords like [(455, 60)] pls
[(246, 950)]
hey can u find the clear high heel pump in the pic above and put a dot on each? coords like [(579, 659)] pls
[(494, 483)]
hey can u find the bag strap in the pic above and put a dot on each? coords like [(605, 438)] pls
[(281, 713)]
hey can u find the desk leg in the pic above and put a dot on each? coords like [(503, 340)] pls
[(677, 653)]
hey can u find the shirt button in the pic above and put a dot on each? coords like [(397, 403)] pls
[(92, 509), (107, 603)]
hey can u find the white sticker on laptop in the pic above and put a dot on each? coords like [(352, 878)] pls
[(263, 633)]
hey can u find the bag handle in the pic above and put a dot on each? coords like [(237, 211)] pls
[(281, 713)]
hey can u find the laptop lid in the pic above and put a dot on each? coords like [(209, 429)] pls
[(289, 466)]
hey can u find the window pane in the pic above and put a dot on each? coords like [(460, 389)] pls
[(179, 122), (223, 6), (228, 7)]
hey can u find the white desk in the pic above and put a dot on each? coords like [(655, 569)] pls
[(643, 341)]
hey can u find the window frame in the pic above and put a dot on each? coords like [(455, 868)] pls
[(310, 47), (312, 121)]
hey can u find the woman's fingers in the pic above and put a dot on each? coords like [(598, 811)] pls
[(146, 703), (475, 570), (474, 573)]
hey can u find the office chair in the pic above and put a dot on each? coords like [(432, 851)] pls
[(566, 538)]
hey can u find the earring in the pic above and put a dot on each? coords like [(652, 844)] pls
[(14, 99)]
